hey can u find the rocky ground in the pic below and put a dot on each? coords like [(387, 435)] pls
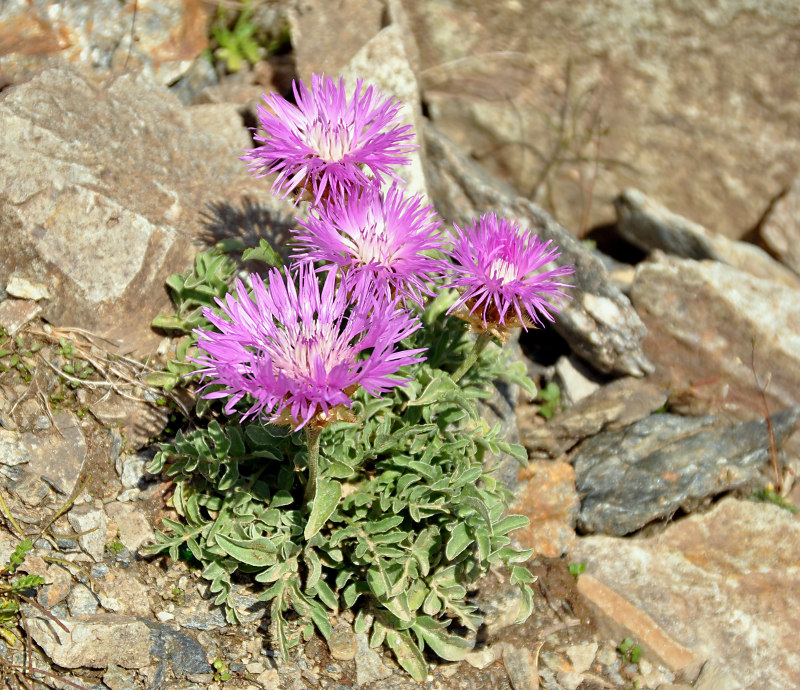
[(663, 463)]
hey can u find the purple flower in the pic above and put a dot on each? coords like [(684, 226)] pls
[(300, 350), (498, 268), (376, 239), (326, 141)]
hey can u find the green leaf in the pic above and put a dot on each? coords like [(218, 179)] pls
[(264, 252), (408, 654), (258, 552), (448, 646), (459, 540), (326, 500), (510, 523)]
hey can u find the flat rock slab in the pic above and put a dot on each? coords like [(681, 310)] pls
[(707, 324), (650, 469), (780, 230), (94, 641), (57, 457), (723, 585), (106, 189)]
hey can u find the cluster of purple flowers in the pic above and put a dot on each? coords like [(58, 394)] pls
[(300, 345)]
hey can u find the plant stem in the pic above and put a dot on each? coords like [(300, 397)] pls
[(312, 439), (480, 345)]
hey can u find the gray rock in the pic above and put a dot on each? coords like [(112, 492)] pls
[(780, 230), (610, 408), (101, 35), (105, 192), (95, 641), (650, 469), (12, 451), (571, 102), (650, 226), (90, 522), (205, 615), (82, 601), (57, 457), (722, 585), (521, 666), (709, 325), (369, 667), (117, 678), (575, 380), (342, 643), (138, 421), (123, 592), (15, 313), (132, 525), (183, 653), (325, 35), (598, 322)]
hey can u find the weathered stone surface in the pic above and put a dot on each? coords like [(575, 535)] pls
[(650, 469), (343, 644), (573, 102), (101, 35), (123, 592), (24, 289), (95, 641), (598, 322), (90, 522), (134, 529), (326, 35), (780, 230), (521, 666), (105, 192), (575, 379), (703, 321), (718, 584), (57, 458), (650, 226), (183, 653), (82, 601), (15, 313), (610, 408), (12, 451), (369, 667), (137, 420), (546, 495), (383, 62)]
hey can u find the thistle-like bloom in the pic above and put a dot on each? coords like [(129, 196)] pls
[(327, 141), (498, 268), (376, 239), (300, 350)]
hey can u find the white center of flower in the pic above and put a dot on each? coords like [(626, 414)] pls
[(373, 245), (502, 270), (301, 348), (330, 141)]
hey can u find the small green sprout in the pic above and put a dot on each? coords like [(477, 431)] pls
[(221, 671), (768, 494), (630, 651), (115, 547), (550, 397), (576, 569)]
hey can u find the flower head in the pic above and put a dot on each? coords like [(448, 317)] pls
[(376, 239), (498, 269), (326, 141), (301, 349)]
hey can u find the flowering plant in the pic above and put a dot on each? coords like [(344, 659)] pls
[(387, 503)]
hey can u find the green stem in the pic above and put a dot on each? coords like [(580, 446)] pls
[(312, 439), (480, 345)]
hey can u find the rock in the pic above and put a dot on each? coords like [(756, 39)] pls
[(182, 653), (15, 313), (101, 35), (500, 610), (325, 35), (713, 677), (95, 641), (574, 379), (598, 323), (12, 451), (650, 226), (485, 656), (205, 615), (629, 478), (82, 601), (57, 458), (24, 289), (582, 655), (610, 408), (90, 522), (58, 587), (116, 678), (123, 592), (139, 421), (383, 62), (708, 324), (780, 230), (718, 585), (369, 667), (104, 190), (269, 679), (521, 666), (572, 102), (546, 495), (133, 526), (343, 644)]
